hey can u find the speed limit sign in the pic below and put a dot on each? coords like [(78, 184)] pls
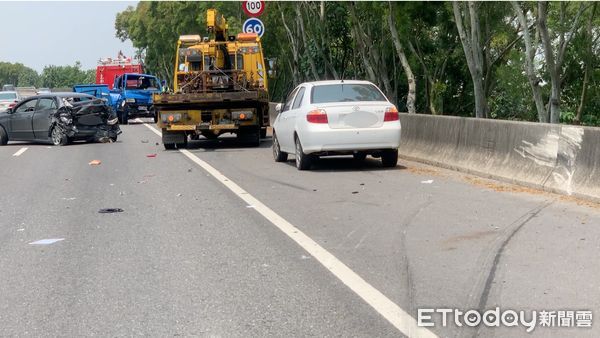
[(253, 7), (254, 25)]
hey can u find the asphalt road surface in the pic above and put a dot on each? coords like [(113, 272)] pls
[(221, 241)]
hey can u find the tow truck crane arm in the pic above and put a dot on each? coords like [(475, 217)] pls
[(216, 24)]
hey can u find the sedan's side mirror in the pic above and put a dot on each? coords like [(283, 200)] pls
[(9, 111), (278, 108)]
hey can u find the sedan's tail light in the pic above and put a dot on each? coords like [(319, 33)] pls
[(391, 114), (317, 116)]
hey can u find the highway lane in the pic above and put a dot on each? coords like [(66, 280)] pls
[(188, 257)]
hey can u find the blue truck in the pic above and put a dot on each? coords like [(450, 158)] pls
[(130, 97)]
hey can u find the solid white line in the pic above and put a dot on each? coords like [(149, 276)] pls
[(388, 309), (21, 151)]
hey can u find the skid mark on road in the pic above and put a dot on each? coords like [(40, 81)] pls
[(479, 295), (20, 151), (399, 318)]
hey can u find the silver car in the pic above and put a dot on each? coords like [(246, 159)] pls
[(8, 99)]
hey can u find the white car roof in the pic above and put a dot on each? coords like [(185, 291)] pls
[(330, 82)]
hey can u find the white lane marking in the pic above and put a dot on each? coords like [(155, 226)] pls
[(403, 321), (47, 241), (21, 151)]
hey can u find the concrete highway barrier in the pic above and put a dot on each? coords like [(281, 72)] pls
[(557, 158)]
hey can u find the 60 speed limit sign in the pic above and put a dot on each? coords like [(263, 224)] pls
[(253, 7), (254, 25)]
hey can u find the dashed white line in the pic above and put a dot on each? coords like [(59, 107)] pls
[(21, 151), (399, 318)]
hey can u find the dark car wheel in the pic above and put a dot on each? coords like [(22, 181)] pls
[(360, 156), (278, 155), (58, 137), (303, 161), (3, 137), (389, 158), (125, 118), (169, 146)]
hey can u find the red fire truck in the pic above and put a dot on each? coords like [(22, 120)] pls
[(108, 69)]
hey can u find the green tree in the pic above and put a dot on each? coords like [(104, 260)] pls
[(66, 76), (17, 74)]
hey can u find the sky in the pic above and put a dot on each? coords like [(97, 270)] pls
[(37, 34)]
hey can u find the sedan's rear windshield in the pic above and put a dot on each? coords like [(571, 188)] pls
[(345, 93), (8, 96)]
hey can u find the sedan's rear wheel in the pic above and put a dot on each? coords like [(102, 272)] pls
[(303, 161), (3, 137), (278, 155), (58, 137), (389, 158)]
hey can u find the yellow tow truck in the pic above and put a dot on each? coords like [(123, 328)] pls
[(220, 86)]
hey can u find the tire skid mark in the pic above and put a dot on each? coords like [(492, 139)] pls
[(478, 297), (404, 261)]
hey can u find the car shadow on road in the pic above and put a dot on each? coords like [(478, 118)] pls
[(225, 143), (346, 164), (20, 144)]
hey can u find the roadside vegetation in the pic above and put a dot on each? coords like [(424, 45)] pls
[(52, 76), (530, 61)]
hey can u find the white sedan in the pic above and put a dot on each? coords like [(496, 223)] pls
[(342, 117)]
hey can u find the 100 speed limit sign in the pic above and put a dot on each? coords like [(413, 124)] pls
[(254, 25), (253, 7)]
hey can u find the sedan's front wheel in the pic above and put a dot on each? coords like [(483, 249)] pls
[(58, 137), (278, 155), (303, 161)]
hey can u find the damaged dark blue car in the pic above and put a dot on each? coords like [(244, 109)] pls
[(59, 118)]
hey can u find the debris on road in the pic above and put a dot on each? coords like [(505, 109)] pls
[(69, 198), (145, 141), (110, 210), (427, 182), (250, 206), (189, 170), (22, 229), (179, 195), (151, 155), (355, 192), (95, 162), (47, 241)]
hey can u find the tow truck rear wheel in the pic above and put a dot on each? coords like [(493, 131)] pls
[(169, 146), (184, 144), (250, 136)]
